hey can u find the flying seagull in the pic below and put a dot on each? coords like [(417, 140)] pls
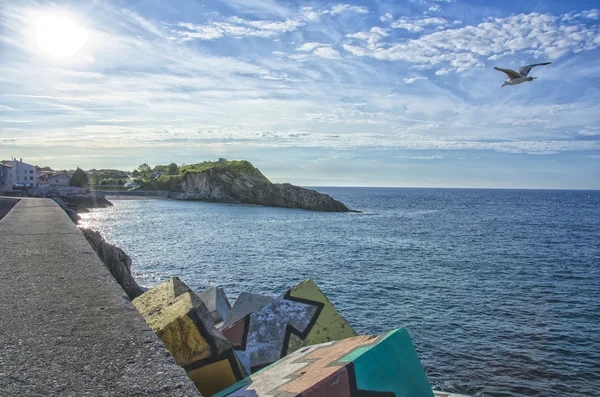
[(519, 77)]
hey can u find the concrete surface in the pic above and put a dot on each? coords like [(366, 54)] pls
[(217, 303), (245, 304), (66, 326)]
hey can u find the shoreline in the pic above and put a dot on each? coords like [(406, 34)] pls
[(132, 198)]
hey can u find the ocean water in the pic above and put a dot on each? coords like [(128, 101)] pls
[(499, 289)]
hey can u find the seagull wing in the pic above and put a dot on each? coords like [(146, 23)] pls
[(509, 72), (524, 70)]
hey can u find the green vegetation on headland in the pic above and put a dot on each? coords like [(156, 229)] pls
[(172, 182)]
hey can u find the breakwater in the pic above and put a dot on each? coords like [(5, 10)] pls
[(67, 326)]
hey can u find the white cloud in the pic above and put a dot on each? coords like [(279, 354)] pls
[(410, 80), (308, 47), (326, 52), (237, 27), (372, 37), (590, 131), (419, 157), (418, 24), (591, 14), (442, 72), (435, 8), (535, 35), (340, 8), (386, 17)]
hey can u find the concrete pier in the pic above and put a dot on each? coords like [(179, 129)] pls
[(66, 326)]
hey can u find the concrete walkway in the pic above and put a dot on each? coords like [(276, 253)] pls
[(66, 326)]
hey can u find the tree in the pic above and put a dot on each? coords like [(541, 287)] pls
[(172, 169), (145, 171), (79, 178), (135, 173)]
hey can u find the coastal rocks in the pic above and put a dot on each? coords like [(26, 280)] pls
[(304, 316), (71, 212), (116, 261), (82, 202), (251, 187), (73, 204), (383, 366), (184, 324)]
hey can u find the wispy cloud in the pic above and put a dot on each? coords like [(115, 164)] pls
[(534, 34), (419, 24), (419, 157), (410, 80), (237, 27)]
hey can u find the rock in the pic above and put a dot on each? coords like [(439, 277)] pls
[(304, 316), (383, 366), (245, 304), (217, 303), (82, 202), (229, 185), (72, 214), (117, 262)]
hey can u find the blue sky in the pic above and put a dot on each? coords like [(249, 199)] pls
[(371, 93)]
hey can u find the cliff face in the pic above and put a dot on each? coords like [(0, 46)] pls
[(251, 187)]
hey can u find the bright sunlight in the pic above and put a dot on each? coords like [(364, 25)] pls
[(59, 36)]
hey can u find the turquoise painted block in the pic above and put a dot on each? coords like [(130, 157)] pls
[(384, 366), (391, 365)]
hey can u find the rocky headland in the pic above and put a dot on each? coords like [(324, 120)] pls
[(239, 182)]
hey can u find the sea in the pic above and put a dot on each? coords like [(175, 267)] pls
[(499, 289)]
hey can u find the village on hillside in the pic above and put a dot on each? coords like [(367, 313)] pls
[(17, 174)]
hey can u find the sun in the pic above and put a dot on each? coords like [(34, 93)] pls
[(59, 36)]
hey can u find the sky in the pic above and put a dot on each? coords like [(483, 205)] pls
[(316, 93)]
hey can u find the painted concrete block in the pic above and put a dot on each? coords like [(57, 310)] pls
[(366, 366), (304, 316), (217, 303), (245, 304), (186, 327), (163, 294)]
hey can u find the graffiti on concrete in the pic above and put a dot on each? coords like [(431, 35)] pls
[(363, 366), (302, 317)]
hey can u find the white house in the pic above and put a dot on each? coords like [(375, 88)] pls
[(59, 179), (5, 177), (42, 180), (23, 174)]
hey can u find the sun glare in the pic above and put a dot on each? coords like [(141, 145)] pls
[(59, 36)]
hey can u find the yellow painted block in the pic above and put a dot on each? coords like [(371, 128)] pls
[(156, 298), (178, 332), (212, 378), (330, 326)]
